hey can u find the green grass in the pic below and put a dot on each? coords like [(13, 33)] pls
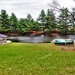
[(35, 59)]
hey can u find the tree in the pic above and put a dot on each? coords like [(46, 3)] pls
[(4, 21), (36, 26), (55, 6), (50, 20), (13, 23), (72, 21), (30, 21), (29, 17), (23, 25), (42, 18), (63, 20)]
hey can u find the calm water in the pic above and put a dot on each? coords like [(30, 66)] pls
[(39, 39)]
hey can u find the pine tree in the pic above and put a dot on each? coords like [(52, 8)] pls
[(50, 20), (13, 23), (4, 21)]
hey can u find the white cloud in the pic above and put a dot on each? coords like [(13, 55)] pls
[(23, 7), (67, 3)]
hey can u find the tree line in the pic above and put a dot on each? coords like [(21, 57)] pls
[(46, 22)]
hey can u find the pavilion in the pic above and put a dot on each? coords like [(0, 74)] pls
[(3, 39)]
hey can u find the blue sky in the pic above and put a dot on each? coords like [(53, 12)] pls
[(23, 7)]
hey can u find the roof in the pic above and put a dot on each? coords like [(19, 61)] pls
[(2, 35)]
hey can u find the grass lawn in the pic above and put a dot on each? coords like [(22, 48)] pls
[(36, 59)]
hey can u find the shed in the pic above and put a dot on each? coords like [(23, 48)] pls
[(3, 38)]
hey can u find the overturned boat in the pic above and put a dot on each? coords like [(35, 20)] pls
[(64, 41)]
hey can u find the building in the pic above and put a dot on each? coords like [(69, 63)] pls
[(3, 39)]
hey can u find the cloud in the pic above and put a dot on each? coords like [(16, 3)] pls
[(67, 3), (23, 7)]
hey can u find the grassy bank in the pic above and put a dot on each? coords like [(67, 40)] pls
[(35, 59)]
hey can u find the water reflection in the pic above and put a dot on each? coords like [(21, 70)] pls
[(39, 39)]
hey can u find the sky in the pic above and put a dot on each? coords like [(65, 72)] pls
[(23, 7)]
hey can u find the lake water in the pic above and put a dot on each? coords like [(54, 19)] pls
[(39, 39)]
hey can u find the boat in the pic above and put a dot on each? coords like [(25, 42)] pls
[(64, 41)]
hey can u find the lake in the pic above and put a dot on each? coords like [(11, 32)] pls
[(39, 39)]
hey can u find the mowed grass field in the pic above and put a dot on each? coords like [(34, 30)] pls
[(36, 59)]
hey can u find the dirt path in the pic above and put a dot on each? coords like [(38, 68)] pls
[(69, 48)]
